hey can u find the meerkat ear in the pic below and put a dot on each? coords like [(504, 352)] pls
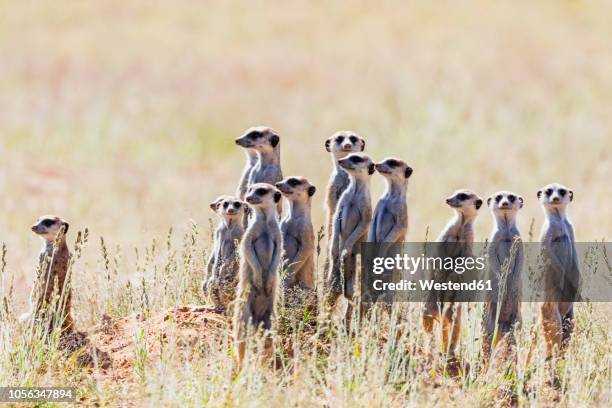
[(571, 194), (65, 225), (311, 190), (362, 145), (277, 197), (478, 204), (328, 144), (274, 140), (408, 172), (371, 168), (213, 206), (489, 201), (539, 194), (521, 201)]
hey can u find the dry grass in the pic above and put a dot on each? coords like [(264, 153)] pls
[(120, 116)]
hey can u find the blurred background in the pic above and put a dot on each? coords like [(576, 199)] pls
[(120, 116)]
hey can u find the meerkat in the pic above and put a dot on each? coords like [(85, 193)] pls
[(223, 263), (340, 145), (53, 279), (260, 252), (266, 143), (460, 230), (502, 312), (351, 222), (390, 221), (562, 273), (251, 162), (298, 233)]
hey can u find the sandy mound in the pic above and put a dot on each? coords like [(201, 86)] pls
[(116, 337)]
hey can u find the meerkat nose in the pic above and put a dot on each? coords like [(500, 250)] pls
[(34, 229), (448, 201)]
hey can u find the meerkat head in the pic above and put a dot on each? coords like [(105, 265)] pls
[(505, 203), (342, 143), (263, 195), (296, 188), (394, 169), (49, 226), (357, 164), (259, 138), (555, 196), (465, 202), (228, 207)]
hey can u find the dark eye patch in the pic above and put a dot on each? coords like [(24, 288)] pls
[(254, 135), (512, 198), (356, 159), (237, 204), (498, 198), (225, 204), (393, 163), (549, 192), (562, 192), (339, 139), (261, 191), (47, 222), (462, 196), (293, 182), (353, 139)]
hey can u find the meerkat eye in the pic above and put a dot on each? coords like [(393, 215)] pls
[(512, 198), (339, 139), (462, 196), (293, 182), (393, 163), (562, 192), (549, 192), (356, 159), (225, 204), (353, 139), (47, 223), (498, 198), (261, 191), (237, 204)]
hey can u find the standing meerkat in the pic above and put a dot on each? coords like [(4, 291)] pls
[(260, 252), (266, 143), (390, 221), (53, 280), (298, 233), (561, 271), (460, 229), (340, 145), (502, 312), (351, 222), (223, 263), (251, 162)]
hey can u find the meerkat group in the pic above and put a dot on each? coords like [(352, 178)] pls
[(253, 248)]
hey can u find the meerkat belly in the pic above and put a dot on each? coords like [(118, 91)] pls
[(291, 246), (350, 218), (228, 250), (385, 221), (264, 247)]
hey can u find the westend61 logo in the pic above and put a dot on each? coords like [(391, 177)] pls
[(418, 272)]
